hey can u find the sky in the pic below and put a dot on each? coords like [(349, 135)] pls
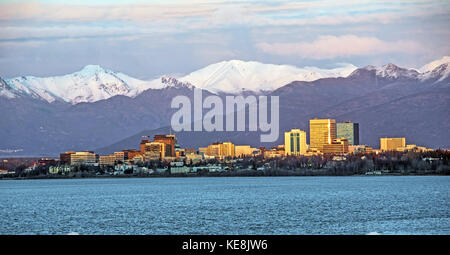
[(146, 39)]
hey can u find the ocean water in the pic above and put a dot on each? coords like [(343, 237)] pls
[(235, 205)]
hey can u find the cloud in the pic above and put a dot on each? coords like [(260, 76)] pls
[(327, 47), (219, 13)]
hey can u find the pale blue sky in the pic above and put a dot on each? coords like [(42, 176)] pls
[(149, 38)]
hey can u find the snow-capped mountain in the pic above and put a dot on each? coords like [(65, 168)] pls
[(437, 70), (90, 84), (234, 76), (94, 83), (394, 72), (432, 65)]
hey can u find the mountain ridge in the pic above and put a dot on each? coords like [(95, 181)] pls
[(93, 82)]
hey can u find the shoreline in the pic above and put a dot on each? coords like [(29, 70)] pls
[(205, 176)]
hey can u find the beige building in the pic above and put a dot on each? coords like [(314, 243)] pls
[(392, 144), (220, 150), (413, 147), (120, 156), (321, 132), (108, 160), (195, 158), (244, 150), (359, 149), (337, 146), (203, 150), (83, 158), (295, 142)]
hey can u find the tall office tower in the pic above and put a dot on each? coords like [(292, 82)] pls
[(169, 141), (348, 130), (321, 132), (391, 144), (295, 142)]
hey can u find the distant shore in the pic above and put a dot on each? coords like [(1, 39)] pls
[(222, 174)]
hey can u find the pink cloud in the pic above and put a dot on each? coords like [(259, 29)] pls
[(329, 46)]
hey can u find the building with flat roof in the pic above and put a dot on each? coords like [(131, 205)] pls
[(392, 144), (220, 150), (64, 158), (348, 130), (169, 141), (154, 151), (244, 151), (337, 146), (120, 156), (83, 158), (295, 142), (107, 160), (321, 132), (130, 154)]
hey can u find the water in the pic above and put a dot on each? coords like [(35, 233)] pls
[(235, 205)]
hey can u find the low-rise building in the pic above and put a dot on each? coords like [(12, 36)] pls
[(107, 160), (245, 151), (392, 144), (337, 146), (83, 158), (120, 156)]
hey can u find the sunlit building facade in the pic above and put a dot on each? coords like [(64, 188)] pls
[(83, 158), (169, 141), (295, 142), (154, 151), (392, 144), (244, 151), (321, 132), (337, 146), (108, 160), (221, 150)]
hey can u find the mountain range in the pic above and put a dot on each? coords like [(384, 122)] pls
[(100, 109)]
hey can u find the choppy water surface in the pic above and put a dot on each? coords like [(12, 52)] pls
[(235, 205)]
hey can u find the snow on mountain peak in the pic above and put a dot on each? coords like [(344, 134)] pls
[(90, 84), (234, 76), (432, 65), (93, 82), (392, 71)]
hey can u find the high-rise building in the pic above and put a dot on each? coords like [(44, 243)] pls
[(348, 130), (321, 132), (169, 141), (391, 144), (295, 142), (337, 146)]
